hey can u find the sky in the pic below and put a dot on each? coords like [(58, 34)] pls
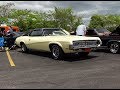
[(81, 8)]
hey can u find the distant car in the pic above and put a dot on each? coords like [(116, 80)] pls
[(110, 40), (10, 40), (6, 28), (20, 33), (57, 41), (17, 34)]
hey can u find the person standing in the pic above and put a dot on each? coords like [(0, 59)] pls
[(81, 30)]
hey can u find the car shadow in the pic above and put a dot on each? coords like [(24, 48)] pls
[(38, 53), (67, 57), (102, 50), (76, 57)]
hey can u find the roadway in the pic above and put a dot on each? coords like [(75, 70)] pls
[(37, 70)]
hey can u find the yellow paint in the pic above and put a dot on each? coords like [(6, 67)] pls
[(9, 58)]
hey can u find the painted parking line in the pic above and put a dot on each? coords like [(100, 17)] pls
[(9, 58)]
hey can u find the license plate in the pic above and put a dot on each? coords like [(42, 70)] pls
[(87, 49)]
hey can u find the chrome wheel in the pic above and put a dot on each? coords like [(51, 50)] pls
[(24, 48), (56, 52), (114, 47)]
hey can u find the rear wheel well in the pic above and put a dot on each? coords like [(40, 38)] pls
[(21, 43), (50, 46), (112, 42)]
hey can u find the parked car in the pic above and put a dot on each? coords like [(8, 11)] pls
[(10, 39), (6, 28), (57, 41), (110, 41), (17, 34)]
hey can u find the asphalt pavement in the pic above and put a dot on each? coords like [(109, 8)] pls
[(37, 70)]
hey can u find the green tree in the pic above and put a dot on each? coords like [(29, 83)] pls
[(26, 19), (109, 22), (5, 11), (65, 17), (96, 21)]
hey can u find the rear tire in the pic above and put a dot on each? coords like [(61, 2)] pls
[(57, 52), (24, 48), (114, 47)]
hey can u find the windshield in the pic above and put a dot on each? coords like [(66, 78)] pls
[(16, 34), (20, 33), (102, 30), (53, 32)]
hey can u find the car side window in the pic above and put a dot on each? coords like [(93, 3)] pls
[(36, 33), (47, 32)]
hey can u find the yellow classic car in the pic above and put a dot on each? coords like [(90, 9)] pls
[(57, 41)]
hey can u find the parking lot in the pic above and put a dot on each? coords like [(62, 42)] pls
[(37, 70)]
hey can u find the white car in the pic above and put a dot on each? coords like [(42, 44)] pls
[(57, 41)]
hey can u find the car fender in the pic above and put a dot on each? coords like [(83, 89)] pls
[(64, 45), (56, 43)]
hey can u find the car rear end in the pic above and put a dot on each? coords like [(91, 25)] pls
[(84, 45)]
